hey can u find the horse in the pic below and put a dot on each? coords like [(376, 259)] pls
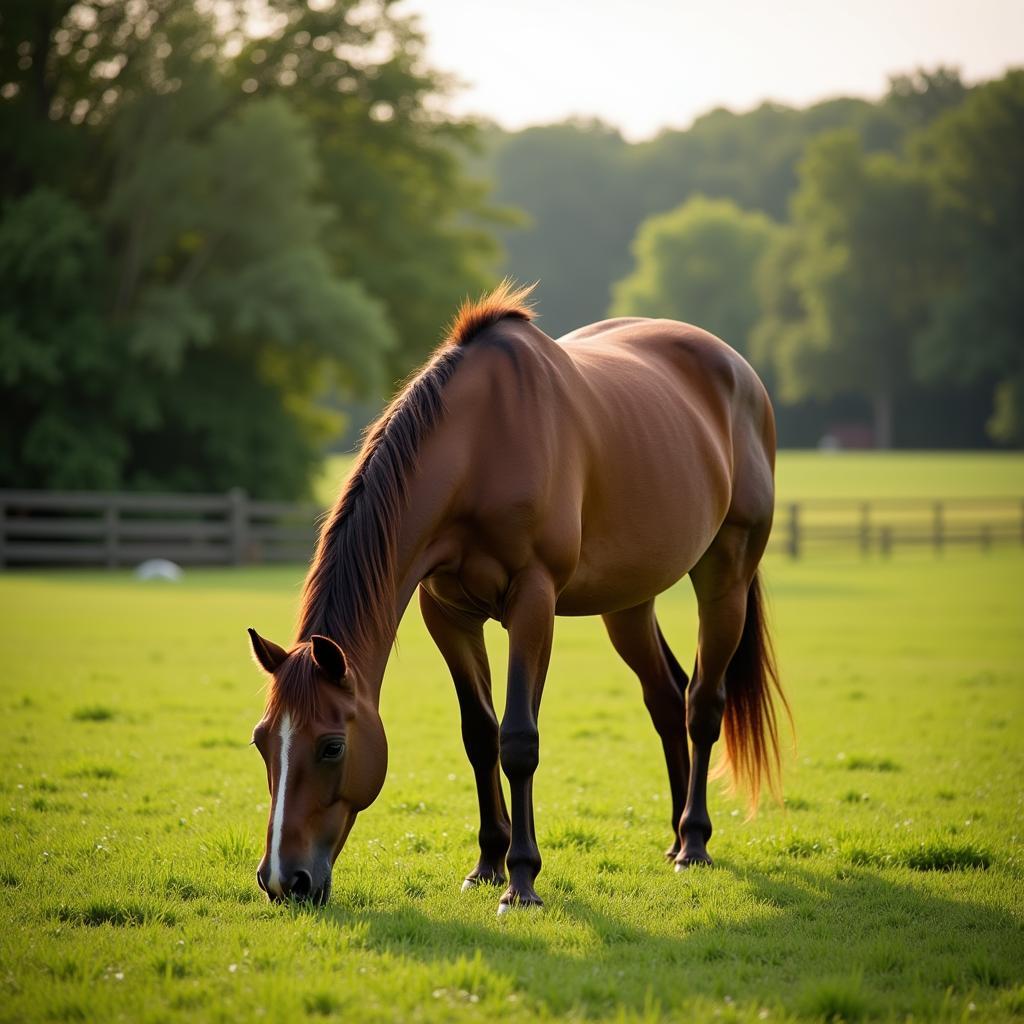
[(516, 478)]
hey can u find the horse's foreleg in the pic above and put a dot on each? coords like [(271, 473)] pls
[(635, 635), (529, 619), (460, 639)]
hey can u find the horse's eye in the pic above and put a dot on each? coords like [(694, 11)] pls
[(333, 750)]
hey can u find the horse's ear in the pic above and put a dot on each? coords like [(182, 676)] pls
[(329, 658), (268, 655)]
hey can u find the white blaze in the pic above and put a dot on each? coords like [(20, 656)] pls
[(279, 794)]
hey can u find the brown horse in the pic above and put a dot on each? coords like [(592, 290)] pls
[(517, 478)]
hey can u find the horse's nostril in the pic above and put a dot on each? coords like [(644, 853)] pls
[(301, 885), (260, 882)]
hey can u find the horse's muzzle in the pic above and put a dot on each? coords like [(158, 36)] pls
[(298, 887)]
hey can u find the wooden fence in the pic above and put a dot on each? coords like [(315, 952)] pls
[(89, 528), (879, 525), (86, 528)]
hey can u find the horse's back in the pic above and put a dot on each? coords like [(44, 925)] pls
[(707, 371), (689, 374)]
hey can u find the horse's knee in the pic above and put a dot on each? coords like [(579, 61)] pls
[(520, 749)]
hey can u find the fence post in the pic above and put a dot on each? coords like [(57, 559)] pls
[(111, 521), (238, 517), (794, 530), (938, 527), (865, 528), (885, 537)]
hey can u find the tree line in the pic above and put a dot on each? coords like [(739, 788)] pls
[(866, 257), (219, 220)]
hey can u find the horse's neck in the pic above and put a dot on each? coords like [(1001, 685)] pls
[(414, 558)]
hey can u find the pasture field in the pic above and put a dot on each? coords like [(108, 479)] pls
[(808, 474), (891, 886)]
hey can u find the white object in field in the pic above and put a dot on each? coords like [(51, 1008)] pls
[(158, 569)]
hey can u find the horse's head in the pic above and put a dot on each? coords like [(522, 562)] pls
[(326, 757)]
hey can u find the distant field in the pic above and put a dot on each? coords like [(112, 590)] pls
[(802, 474), (891, 887)]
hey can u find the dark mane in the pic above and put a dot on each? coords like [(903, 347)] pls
[(349, 592)]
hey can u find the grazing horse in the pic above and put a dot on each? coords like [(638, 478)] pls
[(517, 478)]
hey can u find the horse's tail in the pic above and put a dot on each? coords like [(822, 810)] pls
[(750, 725)]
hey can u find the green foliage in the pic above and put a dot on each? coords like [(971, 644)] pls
[(204, 233), (866, 297), (586, 191), (579, 191), (851, 279), (901, 272), (974, 158), (412, 228), (697, 263)]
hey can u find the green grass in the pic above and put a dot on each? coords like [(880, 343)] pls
[(890, 887), (863, 475)]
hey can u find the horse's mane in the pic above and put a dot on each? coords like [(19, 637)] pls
[(349, 592)]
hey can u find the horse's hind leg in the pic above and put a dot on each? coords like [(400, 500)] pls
[(461, 642), (637, 639), (721, 581)]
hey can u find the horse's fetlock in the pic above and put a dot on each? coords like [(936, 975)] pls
[(698, 825), (704, 733)]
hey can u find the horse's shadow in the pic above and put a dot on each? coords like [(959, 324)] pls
[(841, 944)]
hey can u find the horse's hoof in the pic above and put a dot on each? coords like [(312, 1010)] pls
[(694, 862), (518, 899), (489, 878), (504, 908)]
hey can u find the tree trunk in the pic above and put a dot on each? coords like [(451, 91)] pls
[(882, 409)]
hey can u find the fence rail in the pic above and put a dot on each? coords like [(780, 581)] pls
[(112, 529), (879, 525), (93, 528)]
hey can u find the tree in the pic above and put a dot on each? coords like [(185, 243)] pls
[(411, 226), (581, 205), (974, 159), (585, 191), (184, 270), (860, 265), (697, 263), (919, 98)]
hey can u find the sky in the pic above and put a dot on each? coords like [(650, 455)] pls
[(643, 65)]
